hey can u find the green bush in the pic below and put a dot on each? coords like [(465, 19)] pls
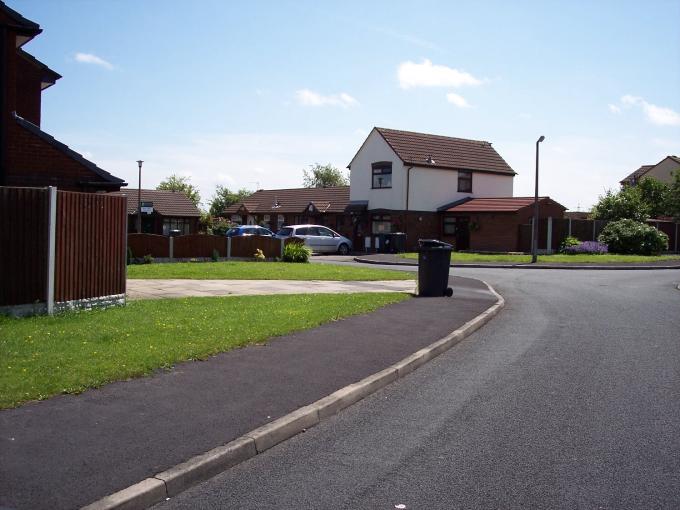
[(215, 256), (296, 252), (632, 237), (569, 241), (148, 259), (130, 257)]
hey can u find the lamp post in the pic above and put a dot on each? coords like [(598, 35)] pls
[(139, 198), (534, 236)]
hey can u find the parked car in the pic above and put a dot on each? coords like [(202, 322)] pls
[(249, 230), (318, 238)]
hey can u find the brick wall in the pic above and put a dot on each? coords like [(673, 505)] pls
[(494, 232), (28, 97), (33, 162)]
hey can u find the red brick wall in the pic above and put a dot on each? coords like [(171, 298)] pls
[(494, 232), (33, 162), (28, 98)]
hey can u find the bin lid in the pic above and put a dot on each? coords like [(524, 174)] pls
[(433, 244)]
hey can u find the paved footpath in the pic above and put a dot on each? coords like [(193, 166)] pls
[(156, 289), (71, 450)]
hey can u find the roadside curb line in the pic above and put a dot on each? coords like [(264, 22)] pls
[(179, 478), (523, 266)]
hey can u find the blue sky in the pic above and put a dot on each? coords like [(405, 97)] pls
[(247, 94)]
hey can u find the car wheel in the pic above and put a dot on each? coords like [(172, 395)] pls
[(343, 249)]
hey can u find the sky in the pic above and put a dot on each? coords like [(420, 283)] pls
[(248, 94)]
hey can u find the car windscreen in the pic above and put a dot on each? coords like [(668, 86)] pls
[(232, 232), (285, 232)]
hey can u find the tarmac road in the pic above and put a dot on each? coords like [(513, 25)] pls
[(570, 398)]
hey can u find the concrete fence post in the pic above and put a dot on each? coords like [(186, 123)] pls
[(594, 228), (533, 231), (676, 236), (228, 248), (51, 246), (171, 248), (549, 236), (283, 245)]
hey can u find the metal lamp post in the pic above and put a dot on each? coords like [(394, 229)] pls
[(139, 198), (534, 236)]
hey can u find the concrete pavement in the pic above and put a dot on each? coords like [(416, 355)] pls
[(157, 289)]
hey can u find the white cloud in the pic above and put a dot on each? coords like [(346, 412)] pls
[(658, 115), (427, 74), (614, 109), (308, 97), (457, 100), (89, 58)]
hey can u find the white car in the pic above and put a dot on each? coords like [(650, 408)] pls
[(318, 238)]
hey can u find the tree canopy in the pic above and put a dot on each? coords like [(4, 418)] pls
[(224, 197), (177, 183), (650, 198), (324, 176)]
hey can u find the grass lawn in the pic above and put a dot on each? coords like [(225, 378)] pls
[(261, 271), (558, 258), (45, 356)]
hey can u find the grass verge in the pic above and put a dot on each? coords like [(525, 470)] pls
[(45, 356), (261, 271), (558, 258)]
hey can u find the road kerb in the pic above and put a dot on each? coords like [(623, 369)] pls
[(179, 478), (197, 469)]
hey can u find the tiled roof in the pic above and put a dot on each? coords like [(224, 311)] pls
[(424, 150), (21, 22), (635, 176), (506, 204), (103, 174), (296, 200), (166, 203)]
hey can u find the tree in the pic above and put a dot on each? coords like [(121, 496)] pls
[(177, 183), (625, 204), (323, 176), (654, 193), (673, 197), (224, 197)]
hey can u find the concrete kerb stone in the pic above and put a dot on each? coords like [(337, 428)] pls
[(201, 467)]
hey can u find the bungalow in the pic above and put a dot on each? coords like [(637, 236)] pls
[(162, 212), (278, 207), (662, 171), (29, 156)]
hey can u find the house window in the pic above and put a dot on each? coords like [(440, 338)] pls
[(449, 226), (280, 220), (464, 181), (266, 218), (382, 175), (181, 224), (236, 218), (381, 224), (250, 220)]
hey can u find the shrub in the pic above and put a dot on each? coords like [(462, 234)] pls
[(633, 237), (585, 248), (296, 252), (569, 241), (215, 256), (148, 259), (130, 257), (259, 255)]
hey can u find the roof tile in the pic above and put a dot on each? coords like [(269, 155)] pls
[(165, 202), (295, 200)]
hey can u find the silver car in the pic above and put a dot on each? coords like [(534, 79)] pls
[(318, 238)]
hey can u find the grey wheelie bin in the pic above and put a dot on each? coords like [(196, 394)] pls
[(434, 258)]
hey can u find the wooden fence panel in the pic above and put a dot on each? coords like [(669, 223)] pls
[(23, 245), (245, 246), (199, 245), (90, 245), (156, 245)]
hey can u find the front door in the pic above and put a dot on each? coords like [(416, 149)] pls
[(462, 234)]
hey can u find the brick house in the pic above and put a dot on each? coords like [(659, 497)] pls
[(278, 207), (493, 224), (402, 181), (29, 156), (162, 211)]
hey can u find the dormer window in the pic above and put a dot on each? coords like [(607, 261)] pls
[(382, 175)]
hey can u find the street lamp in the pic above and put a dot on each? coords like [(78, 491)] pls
[(534, 236), (139, 198)]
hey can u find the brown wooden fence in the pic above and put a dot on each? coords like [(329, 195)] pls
[(84, 263), (202, 246), (584, 230)]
